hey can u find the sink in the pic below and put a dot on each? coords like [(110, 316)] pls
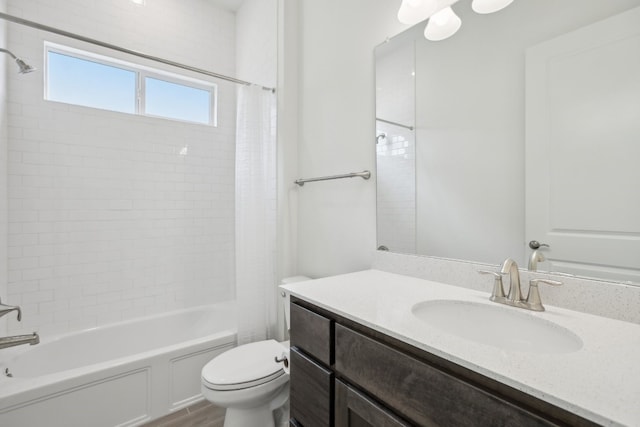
[(492, 324)]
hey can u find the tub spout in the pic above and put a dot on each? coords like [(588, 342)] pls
[(32, 339)]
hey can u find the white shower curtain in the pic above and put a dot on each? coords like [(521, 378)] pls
[(255, 214)]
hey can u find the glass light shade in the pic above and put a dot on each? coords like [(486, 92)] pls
[(489, 6), (413, 11), (442, 25)]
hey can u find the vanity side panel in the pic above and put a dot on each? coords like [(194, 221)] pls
[(419, 392)]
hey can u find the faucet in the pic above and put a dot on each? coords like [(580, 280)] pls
[(514, 298), (32, 339), (515, 293), (536, 255), (5, 342), (6, 309)]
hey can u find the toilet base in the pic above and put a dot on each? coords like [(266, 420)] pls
[(254, 417), (260, 416)]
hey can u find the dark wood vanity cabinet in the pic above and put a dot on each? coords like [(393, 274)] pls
[(345, 374)]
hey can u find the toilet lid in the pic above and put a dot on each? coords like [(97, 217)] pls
[(245, 366)]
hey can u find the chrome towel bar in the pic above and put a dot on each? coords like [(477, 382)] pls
[(363, 175)]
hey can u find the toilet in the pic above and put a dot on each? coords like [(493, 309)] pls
[(248, 381)]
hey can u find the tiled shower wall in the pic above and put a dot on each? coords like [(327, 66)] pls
[(113, 216)]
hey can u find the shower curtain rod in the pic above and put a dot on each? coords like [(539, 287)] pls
[(53, 30)]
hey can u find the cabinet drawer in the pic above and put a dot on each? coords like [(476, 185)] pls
[(353, 409), (311, 392), (312, 333), (419, 392)]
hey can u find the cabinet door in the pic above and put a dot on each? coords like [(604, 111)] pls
[(353, 409), (311, 392)]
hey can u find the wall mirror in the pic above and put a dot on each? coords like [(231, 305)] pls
[(524, 125)]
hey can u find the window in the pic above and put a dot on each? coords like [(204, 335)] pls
[(82, 78), (177, 101)]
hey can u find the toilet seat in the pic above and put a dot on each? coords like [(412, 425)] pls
[(246, 366)]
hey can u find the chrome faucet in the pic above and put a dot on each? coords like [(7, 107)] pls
[(514, 297), (5, 342)]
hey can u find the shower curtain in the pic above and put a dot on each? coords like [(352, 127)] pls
[(255, 214)]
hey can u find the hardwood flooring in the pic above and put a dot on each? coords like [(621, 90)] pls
[(203, 414)]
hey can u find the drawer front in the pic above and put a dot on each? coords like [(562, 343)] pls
[(353, 409), (419, 392), (312, 333), (311, 392)]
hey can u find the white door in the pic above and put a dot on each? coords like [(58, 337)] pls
[(583, 149)]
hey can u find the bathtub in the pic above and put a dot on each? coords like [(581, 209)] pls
[(123, 374)]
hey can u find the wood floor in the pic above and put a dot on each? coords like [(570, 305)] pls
[(203, 414)]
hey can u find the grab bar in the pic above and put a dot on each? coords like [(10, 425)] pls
[(363, 175), (394, 123)]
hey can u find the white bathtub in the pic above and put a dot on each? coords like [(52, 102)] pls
[(123, 374)]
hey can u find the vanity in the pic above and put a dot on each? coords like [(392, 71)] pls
[(377, 349)]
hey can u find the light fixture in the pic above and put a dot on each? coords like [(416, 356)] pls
[(413, 11), (442, 25), (139, 2), (489, 6)]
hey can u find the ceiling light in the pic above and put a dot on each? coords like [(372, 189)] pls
[(489, 6), (442, 25), (413, 11)]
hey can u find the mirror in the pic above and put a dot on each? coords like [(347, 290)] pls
[(522, 126)]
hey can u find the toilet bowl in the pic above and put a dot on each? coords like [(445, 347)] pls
[(248, 381)]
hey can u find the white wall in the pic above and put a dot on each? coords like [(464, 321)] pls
[(256, 42), (337, 130), (107, 220)]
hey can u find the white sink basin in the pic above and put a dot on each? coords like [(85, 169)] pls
[(499, 326)]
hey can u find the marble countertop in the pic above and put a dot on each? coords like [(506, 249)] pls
[(600, 381)]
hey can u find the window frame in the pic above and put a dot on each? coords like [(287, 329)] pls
[(141, 72)]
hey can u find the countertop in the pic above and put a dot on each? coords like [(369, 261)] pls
[(600, 381)]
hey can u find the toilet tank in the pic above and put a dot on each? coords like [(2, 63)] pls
[(286, 296)]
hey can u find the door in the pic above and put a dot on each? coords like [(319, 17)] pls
[(583, 110)]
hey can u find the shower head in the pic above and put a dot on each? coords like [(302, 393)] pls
[(24, 67)]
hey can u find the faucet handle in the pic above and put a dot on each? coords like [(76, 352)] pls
[(533, 300), (498, 289)]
